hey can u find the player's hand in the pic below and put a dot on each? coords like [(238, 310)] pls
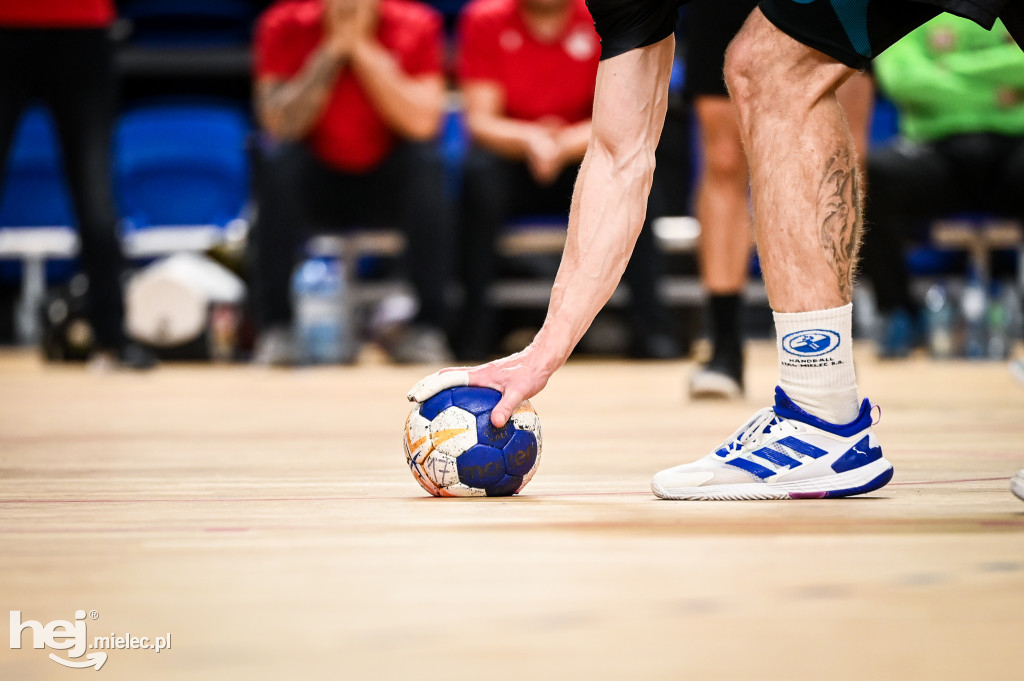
[(543, 156), (346, 22), (517, 377)]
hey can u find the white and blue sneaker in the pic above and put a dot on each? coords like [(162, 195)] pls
[(1017, 484), (784, 453)]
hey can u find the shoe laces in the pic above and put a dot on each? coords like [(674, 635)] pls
[(760, 427)]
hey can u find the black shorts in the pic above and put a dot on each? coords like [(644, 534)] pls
[(850, 31), (710, 27)]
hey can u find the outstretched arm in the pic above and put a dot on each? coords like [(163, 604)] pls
[(608, 209)]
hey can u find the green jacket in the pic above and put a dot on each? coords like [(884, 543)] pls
[(951, 77)]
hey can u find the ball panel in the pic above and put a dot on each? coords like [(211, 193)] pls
[(525, 418), (441, 469), (533, 471), (460, 490), (486, 433), (481, 466), (453, 431), (424, 481), (475, 400), (436, 404), (506, 487), (520, 453), (417, 436)]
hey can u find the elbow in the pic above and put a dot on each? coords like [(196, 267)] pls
[(630, 160)]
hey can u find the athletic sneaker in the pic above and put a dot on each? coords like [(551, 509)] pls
[(712, 383), (1017, 484), (721, 378), (784, 453)]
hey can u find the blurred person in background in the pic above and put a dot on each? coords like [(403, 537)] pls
[(527, 70), (959, 90), (60, 53), (353, 92), (722, 203)]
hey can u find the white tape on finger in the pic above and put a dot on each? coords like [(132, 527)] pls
[(435, 383)]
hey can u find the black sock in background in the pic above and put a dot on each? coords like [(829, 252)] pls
[(726, 327)]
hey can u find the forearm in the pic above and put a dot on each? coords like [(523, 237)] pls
[(608, 209), (910, 77), (610, 199), (504, 136), (289, 109), (575, 139), (1001, 65), (411, 106)]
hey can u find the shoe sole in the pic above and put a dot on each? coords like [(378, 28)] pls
[(861, 480), (1017, 485)]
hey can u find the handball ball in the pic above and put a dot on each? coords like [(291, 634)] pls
[(453, 449)]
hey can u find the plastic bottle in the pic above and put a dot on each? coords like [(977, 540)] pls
[(323, 310), (998, 322), (939, 320), (973, 306)]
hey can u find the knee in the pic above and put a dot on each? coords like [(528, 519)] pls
[(724, 161), (480, 161), (741, 67), (425, 154), (280, 168), (767, 70), (484, 172)]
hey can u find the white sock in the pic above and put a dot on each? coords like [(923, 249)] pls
[(816, 362)]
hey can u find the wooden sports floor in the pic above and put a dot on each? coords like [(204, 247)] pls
[(267, 521)]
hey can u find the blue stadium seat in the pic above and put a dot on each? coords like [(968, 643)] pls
[(884, 122), (181, 164), (35, 192)]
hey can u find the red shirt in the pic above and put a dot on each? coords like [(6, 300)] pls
[(350, 134), (56, 13), (540, 79)]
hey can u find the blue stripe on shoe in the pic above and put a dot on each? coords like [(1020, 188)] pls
[(861, 454), (777, 458), (751, 467), (880, 481), (805, 448)]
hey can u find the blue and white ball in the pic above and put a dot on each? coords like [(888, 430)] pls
[(453, 450)]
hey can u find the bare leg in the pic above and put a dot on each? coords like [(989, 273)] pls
[(723, 206), (803, 167), (807, 211), (723, 209), (857, 97)]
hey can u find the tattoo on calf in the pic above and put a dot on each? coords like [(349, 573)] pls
[(839, 215)]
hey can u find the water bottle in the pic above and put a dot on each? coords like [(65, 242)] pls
[(323, 319), (939, 321), (973, 306), (999, 322)]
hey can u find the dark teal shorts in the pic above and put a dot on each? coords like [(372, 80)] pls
[(851, 31)]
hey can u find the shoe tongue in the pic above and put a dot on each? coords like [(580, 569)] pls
[(782, 400)]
